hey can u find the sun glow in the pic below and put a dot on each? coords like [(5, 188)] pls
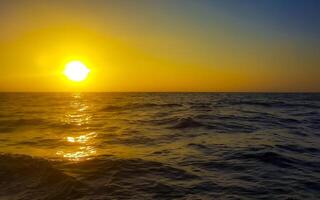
[(76, 71)]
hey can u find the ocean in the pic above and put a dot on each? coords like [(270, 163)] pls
[(159, 146)]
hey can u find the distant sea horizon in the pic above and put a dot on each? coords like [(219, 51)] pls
[(258, 92)]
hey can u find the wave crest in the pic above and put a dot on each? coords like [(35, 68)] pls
[(25, 177)]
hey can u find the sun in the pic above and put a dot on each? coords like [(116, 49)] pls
[(76, 71)]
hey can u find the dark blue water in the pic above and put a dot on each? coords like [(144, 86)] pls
[(159, 146)]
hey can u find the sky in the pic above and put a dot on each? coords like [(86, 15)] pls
[(161, 46)]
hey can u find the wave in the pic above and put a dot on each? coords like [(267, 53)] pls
[(140, 179), (201, 106), (251, 122), (270, 157), (22, 122), (189, 122), (112, 108), (276, 104), (230, 127), (298, 148), (25, 177), (11, 125), (277, 158)]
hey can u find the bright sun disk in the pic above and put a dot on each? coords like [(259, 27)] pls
[(76, 71)]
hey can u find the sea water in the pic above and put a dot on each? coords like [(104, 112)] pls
[(159, 146)]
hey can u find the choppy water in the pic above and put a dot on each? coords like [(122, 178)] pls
[(159, 146)]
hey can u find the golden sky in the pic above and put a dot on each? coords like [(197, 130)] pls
[(153, 46)]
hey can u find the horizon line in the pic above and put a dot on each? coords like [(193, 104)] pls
[(288, 92)]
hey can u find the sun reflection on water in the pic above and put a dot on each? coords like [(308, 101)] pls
[(81, 153), (81, 138), (78, 147)]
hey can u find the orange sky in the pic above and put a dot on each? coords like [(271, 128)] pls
[(150, 47)]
